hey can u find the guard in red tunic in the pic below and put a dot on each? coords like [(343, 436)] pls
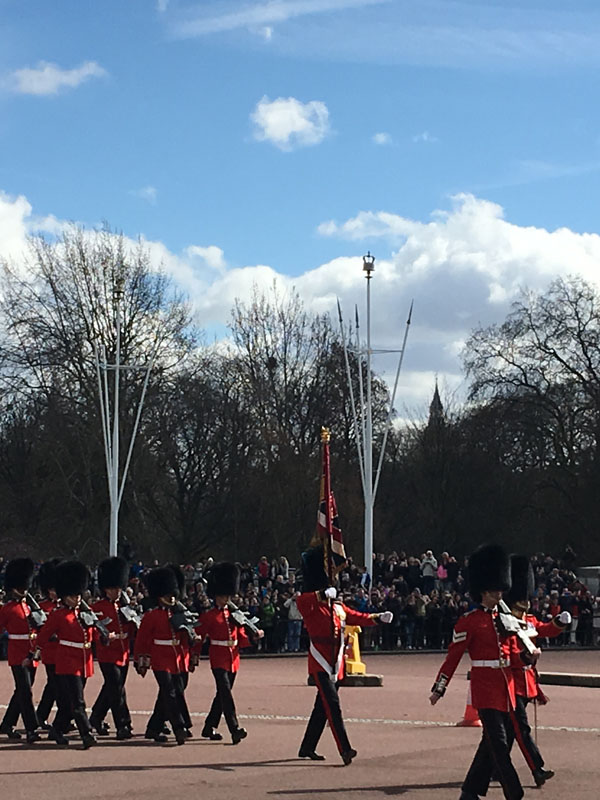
[(325, 619), (72, 626), (16, 619), (49, 601), (113, 656), (226, 638), (492, 681), (527, 688), (160, 646)]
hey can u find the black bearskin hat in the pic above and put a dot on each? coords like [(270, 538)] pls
[(72, 577), (223, 578), (180, 578), (488, 571), (19, 574), (314, 577), (113, 573), (162, 582), (523, 582), (47, 575)]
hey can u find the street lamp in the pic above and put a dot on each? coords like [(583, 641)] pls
[(111, 438), (362, 411)]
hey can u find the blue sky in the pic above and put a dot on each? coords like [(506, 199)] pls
[(458, 141)]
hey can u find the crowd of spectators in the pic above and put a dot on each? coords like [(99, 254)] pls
[(426, 594)]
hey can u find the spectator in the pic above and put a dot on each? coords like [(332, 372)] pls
[(429, 567), (294, 624)]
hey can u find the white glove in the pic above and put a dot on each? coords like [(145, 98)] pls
[(331, 593), (565, 618), (386, 617)]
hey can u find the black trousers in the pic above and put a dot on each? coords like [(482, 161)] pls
[(48, 695), (170, 701), (493, 755), (526, 740), (112, 696), (21, 701), (223, 702), (326, 709), (71, 704)]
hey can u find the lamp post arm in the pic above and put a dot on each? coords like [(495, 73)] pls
[(357, 432), (388, 421)]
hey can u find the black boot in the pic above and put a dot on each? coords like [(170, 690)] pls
[(211, 733), (33, 736), (314, 756), (123, 734), (89, 740), (238, 735), (348, 755), (58, 737), (540, 776), (9, 731), (181, 736)]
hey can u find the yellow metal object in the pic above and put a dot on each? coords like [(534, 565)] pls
[(354, 665)]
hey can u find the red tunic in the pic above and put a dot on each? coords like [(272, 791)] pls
[(226, 639), (117, 650), (74, 647), (14, 618), (316, 614), (49, 650), (169, 651), (525, 676), (492, 683)]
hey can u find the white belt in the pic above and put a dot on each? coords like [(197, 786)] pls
[(22, 637), (78, 645), (166, 641), (492, 664), (224, 642)]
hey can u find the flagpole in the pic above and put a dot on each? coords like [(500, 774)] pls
[(368, 265), (325, 439)]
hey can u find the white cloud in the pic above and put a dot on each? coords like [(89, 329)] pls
[(381, 138), (147, 193), (288, 123), (463, 267), (425, 136), (242, 15), (212, 256), (48, 78)]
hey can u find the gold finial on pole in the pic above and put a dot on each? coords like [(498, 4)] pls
[(325, 436)]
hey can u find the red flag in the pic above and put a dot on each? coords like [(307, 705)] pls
[(328, 526)]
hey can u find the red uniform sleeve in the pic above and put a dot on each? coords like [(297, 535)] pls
[(456, 649), (358, 617), (548, 630), (143, 640), (48, 629), (243, 640)]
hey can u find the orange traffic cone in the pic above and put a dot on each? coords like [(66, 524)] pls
[(471, 717)]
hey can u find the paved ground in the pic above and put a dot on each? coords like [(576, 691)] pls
[(406, 747)]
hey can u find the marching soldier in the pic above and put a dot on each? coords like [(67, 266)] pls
[(49, 601), (226, 638), (525, 676), (165, 650), (492, 682), (113, 656), (325, 618), (16, 619), (73, 627)]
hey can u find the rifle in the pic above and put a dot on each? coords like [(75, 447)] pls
[(38, 616), (129, 614), (243, 620), (182, 619), (509, 625), (92, 620)]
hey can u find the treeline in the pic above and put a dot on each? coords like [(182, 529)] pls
[(226, 461)]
